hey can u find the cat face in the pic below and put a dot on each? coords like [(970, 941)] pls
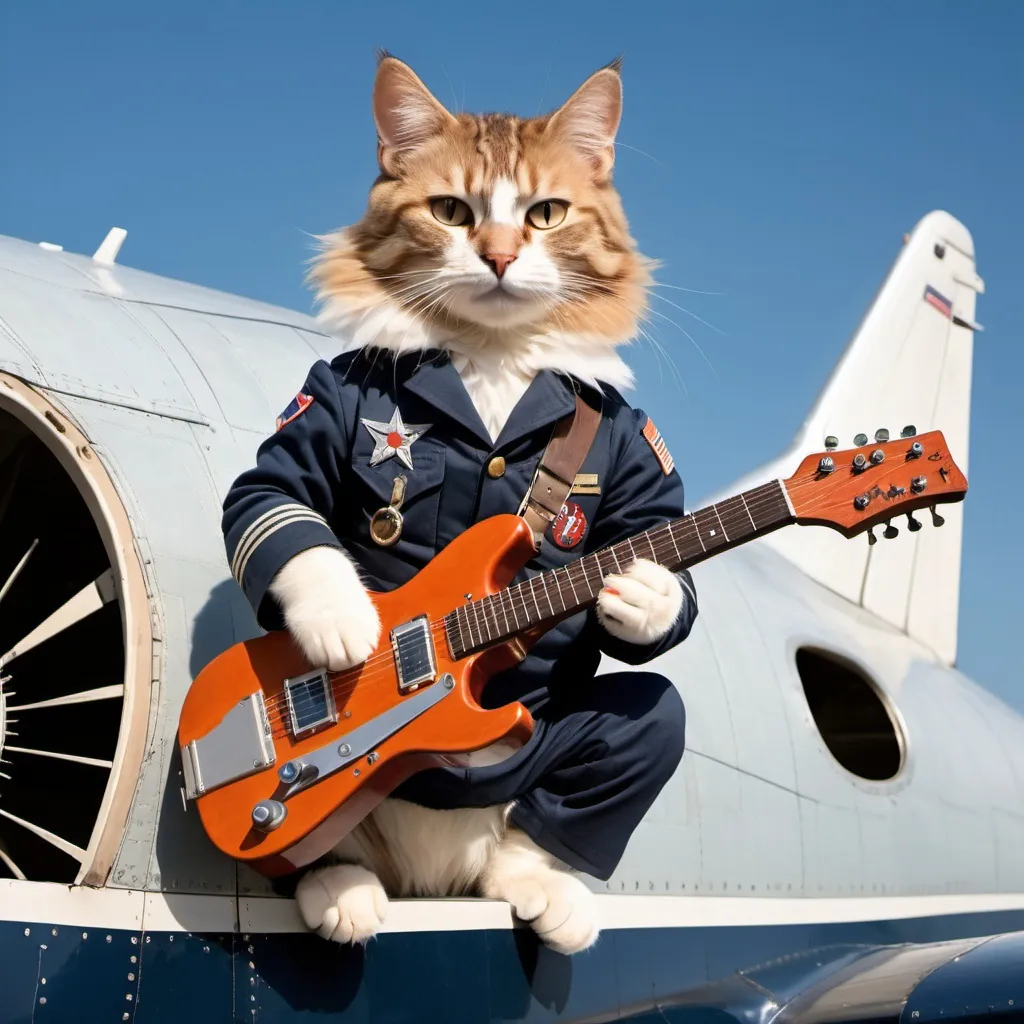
[(490, 221)]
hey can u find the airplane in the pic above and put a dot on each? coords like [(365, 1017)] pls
[(843, 840)]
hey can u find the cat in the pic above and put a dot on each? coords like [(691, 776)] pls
[(503, 242)]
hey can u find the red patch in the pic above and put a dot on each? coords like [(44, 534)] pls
[(394, 439), (296, 407), (569, 526)]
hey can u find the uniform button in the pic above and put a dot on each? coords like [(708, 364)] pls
[(496, 467)]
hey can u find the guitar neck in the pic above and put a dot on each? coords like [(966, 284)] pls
[(549, 596)]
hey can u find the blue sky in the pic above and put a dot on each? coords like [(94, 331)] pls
[(772, 154)]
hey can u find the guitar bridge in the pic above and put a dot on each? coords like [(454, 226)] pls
[(241, 744), (413, 646)]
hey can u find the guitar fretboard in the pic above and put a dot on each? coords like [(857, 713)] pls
[(559, 592)]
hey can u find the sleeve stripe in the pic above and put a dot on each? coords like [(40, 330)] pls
[(263, 526), (255, 524)]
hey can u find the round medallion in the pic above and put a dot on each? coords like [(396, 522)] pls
[(386, 526), (569, 526)]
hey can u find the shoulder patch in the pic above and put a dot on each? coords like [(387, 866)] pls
[(653, 437), (295, 408)]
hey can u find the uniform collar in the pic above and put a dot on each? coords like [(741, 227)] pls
[(547, 399)]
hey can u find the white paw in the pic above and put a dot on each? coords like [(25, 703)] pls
[(344, 903), (640, 605), (327, 609), (559, 908)]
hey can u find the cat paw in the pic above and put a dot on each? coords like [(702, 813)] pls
[(557, 906), (640, 605), (342, 903), (327, 609)]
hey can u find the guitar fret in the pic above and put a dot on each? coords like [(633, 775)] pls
[(532, 591), (720, 523), (672, 537), (675, 544), (568, 576), (650, 541), (747, 509)]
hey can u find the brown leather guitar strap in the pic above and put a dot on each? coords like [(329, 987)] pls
[(570, 441)]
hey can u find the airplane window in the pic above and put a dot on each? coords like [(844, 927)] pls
[(63, 664), (851, 716)]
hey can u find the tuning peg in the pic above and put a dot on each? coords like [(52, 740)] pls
[(937, 520), (831, 442), (826, 464), (859, 462), (881, 435), (908, 431), (890, 531), (912, 524), (872, 539), (860, 440), (916, 450)]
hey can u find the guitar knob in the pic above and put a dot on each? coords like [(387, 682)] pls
[(881, 435), (860, 440), (859, 462), (908, 431), (268, 815), (290, 771), (937, 520), (890, 531), (831, 442), (872, 539), (916, 450), (877, 456), (918, 484), (826, 465), (912, 524), (861, 502)]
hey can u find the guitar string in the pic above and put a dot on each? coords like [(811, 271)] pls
[(367, 680), (752, 504), (515, 592), (666, 542)]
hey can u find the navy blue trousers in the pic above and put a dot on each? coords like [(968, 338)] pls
[(600, 753)]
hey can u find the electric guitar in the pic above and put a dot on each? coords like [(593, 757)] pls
[(283, 758)]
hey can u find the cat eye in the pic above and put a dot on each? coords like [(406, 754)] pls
[(451, 211), (548, 214)]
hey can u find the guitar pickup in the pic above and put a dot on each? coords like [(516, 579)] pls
[(413, 647)]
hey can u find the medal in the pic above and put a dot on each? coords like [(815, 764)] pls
[(394, 438), (386, 523)]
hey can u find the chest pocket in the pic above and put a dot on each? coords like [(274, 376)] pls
[(419, 507)]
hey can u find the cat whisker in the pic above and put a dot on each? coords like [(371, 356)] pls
[(680, 288), (655, 312), (694, 315)]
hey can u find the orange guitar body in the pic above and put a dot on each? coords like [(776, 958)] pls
[(480, 562)]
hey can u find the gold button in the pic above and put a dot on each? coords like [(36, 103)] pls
[(496, 467)]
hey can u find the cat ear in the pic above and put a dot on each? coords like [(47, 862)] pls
[(406, 113), (589, 119)]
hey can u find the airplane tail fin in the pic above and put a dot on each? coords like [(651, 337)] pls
[(909, 362)]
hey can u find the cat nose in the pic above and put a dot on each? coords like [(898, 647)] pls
[(498, 262)]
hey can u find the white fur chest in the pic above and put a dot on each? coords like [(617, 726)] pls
[(495, 388)]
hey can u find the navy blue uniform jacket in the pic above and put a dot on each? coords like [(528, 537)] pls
[(313, 485)]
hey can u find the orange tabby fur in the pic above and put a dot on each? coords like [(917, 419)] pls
[(388, 256), (506, 298)]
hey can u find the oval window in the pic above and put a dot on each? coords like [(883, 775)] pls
[(851, 715)]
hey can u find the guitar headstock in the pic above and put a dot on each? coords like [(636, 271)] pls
[(859, 488)]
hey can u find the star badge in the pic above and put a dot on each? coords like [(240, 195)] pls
[(394, 438)]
